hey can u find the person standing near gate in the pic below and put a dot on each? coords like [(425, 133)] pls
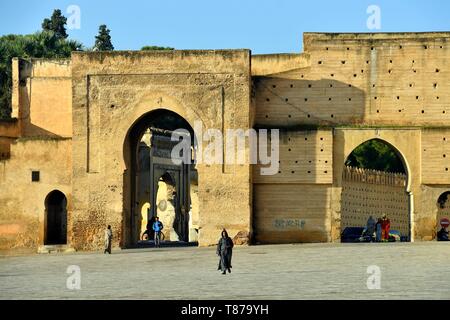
[(370, 227), (157, 227), (385, 226), (108, 240), (378, 230)]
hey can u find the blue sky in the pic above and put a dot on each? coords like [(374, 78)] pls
[(260, 25)]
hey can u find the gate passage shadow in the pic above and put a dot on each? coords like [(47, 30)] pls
[(166, 244)]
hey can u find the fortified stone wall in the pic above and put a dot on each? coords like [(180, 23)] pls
[(294, 204), (379, 79), (343, 90), (22, 201), (436, 155), (37, 139), (393, 87), (42, 99), (111, 91)]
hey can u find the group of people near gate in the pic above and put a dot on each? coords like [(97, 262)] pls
[(380, 228)]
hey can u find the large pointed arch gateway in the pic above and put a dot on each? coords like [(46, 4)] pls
[(158, 186), (376, 182)]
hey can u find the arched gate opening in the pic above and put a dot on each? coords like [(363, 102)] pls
[(374, 184), (158, 185)]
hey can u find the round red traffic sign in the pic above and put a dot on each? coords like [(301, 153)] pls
[(445, 222)]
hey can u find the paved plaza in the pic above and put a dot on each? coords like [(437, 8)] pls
[(297, 271)]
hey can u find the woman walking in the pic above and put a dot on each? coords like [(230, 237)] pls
[(108, 240), (225, 251)]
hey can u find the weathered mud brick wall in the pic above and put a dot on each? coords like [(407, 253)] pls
[(293, 205), (9, 131), (111, 91), (435, 164), (343, 90), (36, 139), (42, 98), (395, 79), (398, 84), (22, 201)]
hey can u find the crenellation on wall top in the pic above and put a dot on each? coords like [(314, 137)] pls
[(173, 62), (374, 176), (169, 54), (366, 39)]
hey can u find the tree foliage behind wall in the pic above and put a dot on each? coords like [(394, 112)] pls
[(56, 24), (44, 44), (49, 43), (376, 155), (103, 39), (149, 48)]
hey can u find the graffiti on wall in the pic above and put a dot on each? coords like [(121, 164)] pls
[(283, 224)]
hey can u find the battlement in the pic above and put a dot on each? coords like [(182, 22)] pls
[(311, 39)]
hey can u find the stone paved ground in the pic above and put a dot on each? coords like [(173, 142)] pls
[(306, 271)]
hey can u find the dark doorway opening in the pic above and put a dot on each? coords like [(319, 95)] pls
[(55, 218)]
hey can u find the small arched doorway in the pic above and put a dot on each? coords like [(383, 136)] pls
[(55, 218), (375, 183)]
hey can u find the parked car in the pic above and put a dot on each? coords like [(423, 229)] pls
[(353, 234)]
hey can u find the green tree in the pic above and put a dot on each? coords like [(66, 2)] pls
[(103, 39), (45, 44), (148, 48), (376, 155), (56, 24)]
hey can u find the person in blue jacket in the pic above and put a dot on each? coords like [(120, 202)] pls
[(157, 227)]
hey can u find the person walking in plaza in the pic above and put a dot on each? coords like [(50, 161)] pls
[(108, 240), (157, 228), (225, 251), (385, 227)]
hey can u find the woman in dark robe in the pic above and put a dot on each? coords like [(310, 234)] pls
[(108, 240), (225, 251)]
